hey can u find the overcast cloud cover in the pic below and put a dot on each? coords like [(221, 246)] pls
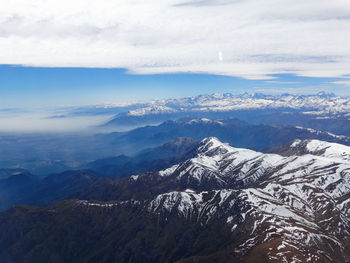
[(245, 38)]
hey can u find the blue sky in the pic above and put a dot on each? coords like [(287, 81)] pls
[(38, 86)]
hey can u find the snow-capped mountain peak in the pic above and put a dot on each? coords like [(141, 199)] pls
[(217, 163), (322, 148), (213, 144), (152, 109), (203, 121)]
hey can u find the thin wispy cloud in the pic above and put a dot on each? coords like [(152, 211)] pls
[(247, 38), (342, 82)]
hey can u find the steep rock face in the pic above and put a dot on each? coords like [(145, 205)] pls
[(224, 204)]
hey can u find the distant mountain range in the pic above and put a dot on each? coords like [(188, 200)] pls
[(321, 111), (216, 105), (327, 102), (221, 204), (224, 102)]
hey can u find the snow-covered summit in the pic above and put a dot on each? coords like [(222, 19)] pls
[(322, 148), (153, 109), (203, 121), (214, 144), (218, 163)]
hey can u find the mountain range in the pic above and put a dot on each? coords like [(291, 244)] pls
[(220, 203), (321, 111), (211, 178), (239, 133), (43, 154)]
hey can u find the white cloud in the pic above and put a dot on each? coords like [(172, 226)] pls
[(246, 38)]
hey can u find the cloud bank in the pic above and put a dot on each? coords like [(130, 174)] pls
[(42, 121), (247, 38)]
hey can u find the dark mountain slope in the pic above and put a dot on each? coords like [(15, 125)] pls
[(14, 187), (118, 234), (61, 186), (34, 190), (152, 159)]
